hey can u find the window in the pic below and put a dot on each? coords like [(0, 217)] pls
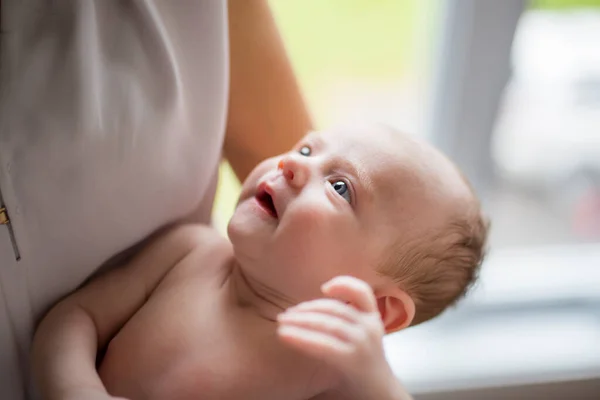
[(524, 125), (547, 139), (523, 122)]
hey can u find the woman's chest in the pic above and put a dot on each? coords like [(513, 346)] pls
[(108, 132)]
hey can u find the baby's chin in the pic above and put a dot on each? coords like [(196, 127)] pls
[(249, 236)]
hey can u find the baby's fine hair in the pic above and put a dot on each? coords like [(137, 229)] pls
[(439, 268)]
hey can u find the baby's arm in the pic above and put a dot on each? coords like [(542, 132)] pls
[(66, 342), (346, 331)]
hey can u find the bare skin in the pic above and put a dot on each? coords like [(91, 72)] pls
[(271, 314), (201, 330)]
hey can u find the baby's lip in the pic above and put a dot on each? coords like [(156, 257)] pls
[(265, 195)]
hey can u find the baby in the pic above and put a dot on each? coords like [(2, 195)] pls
[(353, 234)]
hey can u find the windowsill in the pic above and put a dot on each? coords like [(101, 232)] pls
[(534, 317)]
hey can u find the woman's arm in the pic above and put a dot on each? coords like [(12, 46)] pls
[(66, 342), (267, 114)]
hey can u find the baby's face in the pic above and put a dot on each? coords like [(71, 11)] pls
[(332, 206)]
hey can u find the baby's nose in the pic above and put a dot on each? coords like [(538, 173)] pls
[(288, 173), (295, 171)]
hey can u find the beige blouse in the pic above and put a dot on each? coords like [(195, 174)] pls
[(112, 116)]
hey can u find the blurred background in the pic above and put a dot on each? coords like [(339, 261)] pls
[(510, 89)]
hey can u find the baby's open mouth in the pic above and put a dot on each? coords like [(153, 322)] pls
[(266, 202)]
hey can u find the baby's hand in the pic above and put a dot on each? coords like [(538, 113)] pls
[(344, 330)]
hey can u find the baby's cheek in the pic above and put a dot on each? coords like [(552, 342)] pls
[(313, 220), (328, 231), (306, 226)]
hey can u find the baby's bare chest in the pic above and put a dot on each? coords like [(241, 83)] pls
[(187, 342)]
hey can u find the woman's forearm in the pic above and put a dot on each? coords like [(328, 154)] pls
[(67, 341), (267, 112), (64, 353)]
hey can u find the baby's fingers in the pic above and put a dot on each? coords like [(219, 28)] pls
[(322, 323), (331, 307), (351, 290), (313, 343)]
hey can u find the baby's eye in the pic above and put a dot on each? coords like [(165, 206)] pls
[(305, 151), (342, 189)]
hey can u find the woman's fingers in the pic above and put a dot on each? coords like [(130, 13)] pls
[(351, 290)]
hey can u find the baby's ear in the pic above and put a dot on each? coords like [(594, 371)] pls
[(396, 307)]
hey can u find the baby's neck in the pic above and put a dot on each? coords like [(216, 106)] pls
[(252, 294)]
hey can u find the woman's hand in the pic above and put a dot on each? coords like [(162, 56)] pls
[(66, 342), (344, 330), (88, 394)]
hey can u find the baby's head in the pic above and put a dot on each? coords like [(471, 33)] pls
[(368, 202)]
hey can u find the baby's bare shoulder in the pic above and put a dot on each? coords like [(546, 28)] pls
[(209, 250), (198, 234), (200, 240)]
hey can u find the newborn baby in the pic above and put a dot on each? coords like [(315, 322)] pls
[(353, 234)]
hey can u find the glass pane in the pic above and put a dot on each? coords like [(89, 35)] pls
[(533, 317), (547, 139)]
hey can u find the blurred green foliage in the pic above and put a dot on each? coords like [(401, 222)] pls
[(564, 4), (356, 39), (352, 37)]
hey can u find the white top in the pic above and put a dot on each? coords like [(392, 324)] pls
[(112, 116)]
